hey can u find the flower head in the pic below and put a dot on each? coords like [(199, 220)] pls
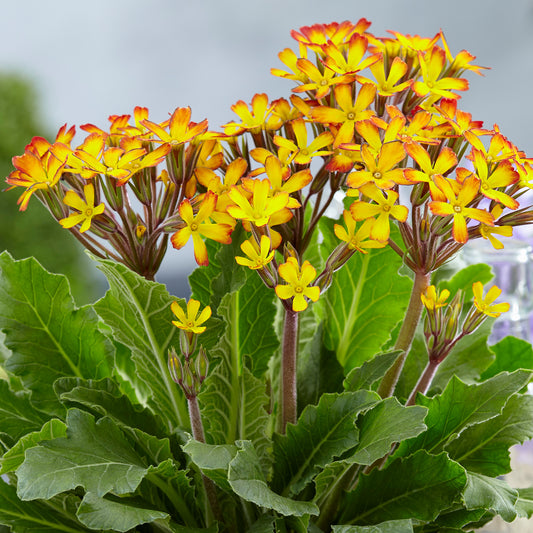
[(486, 305), (432, 299), (298, 280), (257, 255), (190, 322), (87, 209)]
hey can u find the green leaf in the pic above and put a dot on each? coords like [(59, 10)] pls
[(460, 362), (116, 514), (484, 447), (460, 406), (465, 278), (96, 457), (364, 376), (511, 354), (33, 517), (264, 524), (233, 408), (458, 518), (322, 432), (366, 299), (418, 487), (48, 336), (524, 503), (247, 480), (104, 398), (212, 459), (249, 315), (384, 424), (17, 415), (391, 526), (138, 312), (318, 371), (492, 494), (14, 457)]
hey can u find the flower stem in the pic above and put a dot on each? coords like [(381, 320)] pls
[(288, 368), (424, 381), (199, 435), (405, 337)]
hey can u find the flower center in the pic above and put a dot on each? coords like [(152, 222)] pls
[(429, 84), (89, 212), (194, 226), (377, 175), (457, 208), (298, 289), (350, 115), (386, 208), (324, 83), (305, 151)]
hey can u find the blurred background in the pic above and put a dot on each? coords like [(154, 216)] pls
[(74, 62)]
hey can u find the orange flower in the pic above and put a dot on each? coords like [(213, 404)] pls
[(318, 82), (350, 112), (446, 160), (386, 82), (198, 227), (351, 61), (303, 152), (382, 170), (181, 129), (259, 118), (37, 170), (457, 206)]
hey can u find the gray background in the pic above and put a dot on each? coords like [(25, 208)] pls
[(94, 58)]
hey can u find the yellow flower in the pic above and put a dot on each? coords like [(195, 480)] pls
[(360, 239), (86, 208), (298, 283), (485, 305), (257, 255), (197, 226), (192, 320), (433, 300)]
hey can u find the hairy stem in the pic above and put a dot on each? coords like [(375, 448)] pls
[(424, 381), (288, 368), (199, 435), (405, 337)]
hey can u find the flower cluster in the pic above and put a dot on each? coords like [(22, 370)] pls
[(375, 119)]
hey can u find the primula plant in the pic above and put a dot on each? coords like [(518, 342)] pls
[(330, 371)]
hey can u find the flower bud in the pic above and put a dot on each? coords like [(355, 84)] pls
[(174, 366), (201, 365)]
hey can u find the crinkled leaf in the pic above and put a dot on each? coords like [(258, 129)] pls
[(247, 480), (364, 376), (48, 336), (418, 487), (492, 494), (490, 454), (384, 424), (511, 354), (322, 432), (138, 312), (459, 518), (17, 415), (249, 315), (264, 524), (33, 517), (391, 526), (319, 371), (14, 457), (366, 299), (460, 406), (95, 456), (524, 503), (118, 514), (104, 398), (233, 401), (212, 459)]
